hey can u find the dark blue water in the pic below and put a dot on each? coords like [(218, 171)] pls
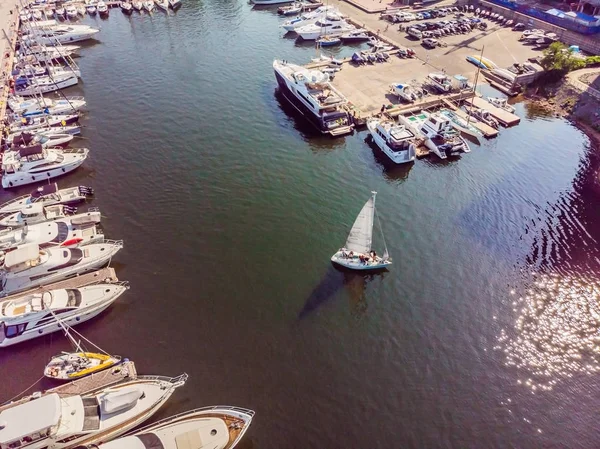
[(230, 209)]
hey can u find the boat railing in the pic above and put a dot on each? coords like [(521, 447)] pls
[(73, 150), (114, 242), (75, 98), (231, 408), (14, 200), (177, 381)]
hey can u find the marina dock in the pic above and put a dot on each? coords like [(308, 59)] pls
[(504, 117), (86, 385), (8, 39)]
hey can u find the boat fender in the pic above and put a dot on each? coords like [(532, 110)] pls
[(63, 169), (10, 184)]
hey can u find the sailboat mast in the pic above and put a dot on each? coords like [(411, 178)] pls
[(475, 84)]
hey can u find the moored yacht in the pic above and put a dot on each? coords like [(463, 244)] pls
[(44, 121), (404, 92), (36, 213), (126, 7), (308, 18), (44, 84), (28, 266), (34, 106), (314, 97), (46, 140), (270, 2), (148, 5), (137, 5), (35, 314), (175, 4), (102, 8), (77, 230), (219, 427), (63, 33), (36, 164), (53, 421), (395, 140), (91, 10), (71, 12), (325, 27), (47, 195), (162, 4)]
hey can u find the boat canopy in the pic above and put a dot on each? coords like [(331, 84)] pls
[(33, 209), (116, 401), (44, 190), (29, 151), (23, 139), (29, 419), (21, 255)]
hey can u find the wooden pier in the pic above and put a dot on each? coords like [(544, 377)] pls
[(104, 275), (85, 385), (504, 117), (7, 58)]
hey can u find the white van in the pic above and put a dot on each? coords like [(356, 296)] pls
[(414, 32)]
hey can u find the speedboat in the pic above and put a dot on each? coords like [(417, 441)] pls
[(395, 140), (483, 116), (63, 33), (309, 18), (404, 92), (138, 5), (44, 84), (76, 230), (29, 123), (313, 96), (126, 7), (29, 266), (25, 317), (440, 81), (359, 35), (441, 138), (37, 213), (175, 4), (49, 420), (322, 27), (36, 164), (71, 12), (36, 106), (45, 140), (357, 253), (47, 195), (148, 5), (501, 103), (219, 427), (102, 8), (91, 10), (162, 4)]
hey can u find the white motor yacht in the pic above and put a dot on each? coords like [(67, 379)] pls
[(63, 34), (102, 8), (33, 106), (219, 427), (48, 55), (36, 164), (28, 266), (404, 92), (45, 140), (30, 123), (38, 213), (77, 230), (138, 5), (441, 138), (44, 84), (395, 140), (48, 195), (309, 18), (53, 421), (324, 27), (126, 7), (91, 10), (310, 92), (501, 103), (441, 82), (60, 12), (71, 12), (175, 4), (162, 4), (148, 5), (32, 315), (358, 254)]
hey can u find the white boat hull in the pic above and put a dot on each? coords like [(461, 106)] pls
[(70, 163), (354, 263), (37, 89)]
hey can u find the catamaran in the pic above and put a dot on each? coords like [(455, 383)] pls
[(357, 254)]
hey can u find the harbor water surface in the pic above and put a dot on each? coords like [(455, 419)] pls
[(230, 208)]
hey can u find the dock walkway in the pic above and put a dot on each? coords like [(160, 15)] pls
[(86, 385), (9, 24), (504, 117)]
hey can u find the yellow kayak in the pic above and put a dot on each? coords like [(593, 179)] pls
[(73, 365)]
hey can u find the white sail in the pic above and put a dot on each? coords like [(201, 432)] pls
[(361, 235)]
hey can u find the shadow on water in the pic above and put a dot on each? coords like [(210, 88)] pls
[(392, 172), (334, 280)]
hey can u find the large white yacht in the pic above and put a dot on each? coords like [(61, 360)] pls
[(310, 92), (32, 315), (395, 140), (309, 18), (62, 34), (38, 213), (324, 27), (77, 230), (43, 84), (35, 164), (219, 427), (47, 195), (63, 421), (28, 266), (33, 106)]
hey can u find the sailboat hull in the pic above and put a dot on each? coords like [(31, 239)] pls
[(354, 263)]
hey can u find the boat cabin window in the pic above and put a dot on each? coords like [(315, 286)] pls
[(62, 234), (14, 331), (74, 298)]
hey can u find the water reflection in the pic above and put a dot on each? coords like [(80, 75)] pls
[(392, 172)]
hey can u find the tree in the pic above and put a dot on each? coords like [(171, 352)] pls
[(560, 60)]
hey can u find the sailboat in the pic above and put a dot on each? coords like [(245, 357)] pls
[(79, 363), (357, 254)]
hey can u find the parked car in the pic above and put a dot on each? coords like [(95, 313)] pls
[(412, 31), (426, 15), (430, 43), (519, 27)]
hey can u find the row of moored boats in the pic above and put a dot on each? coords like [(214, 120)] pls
[(75, 10)]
